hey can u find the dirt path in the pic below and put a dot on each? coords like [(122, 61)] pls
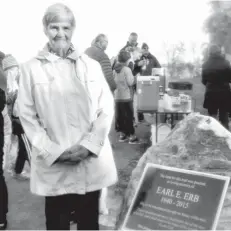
[(27, 211)]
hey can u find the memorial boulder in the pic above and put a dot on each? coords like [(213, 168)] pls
[(198, 143)]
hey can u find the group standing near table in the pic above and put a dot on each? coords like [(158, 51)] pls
[(61, 105)]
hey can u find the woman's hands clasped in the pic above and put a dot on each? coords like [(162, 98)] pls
[(74, 155)]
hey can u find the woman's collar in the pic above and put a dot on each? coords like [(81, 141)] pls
[(47, 53)]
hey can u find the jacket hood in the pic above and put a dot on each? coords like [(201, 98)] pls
[(118, 67), (45, 54)]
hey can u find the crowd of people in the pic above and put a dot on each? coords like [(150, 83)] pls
[(64, 103), (121, 74)]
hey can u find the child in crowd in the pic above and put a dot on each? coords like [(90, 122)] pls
[(124, 80)]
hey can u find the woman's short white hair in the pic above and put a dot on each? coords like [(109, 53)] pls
[(57, 11)]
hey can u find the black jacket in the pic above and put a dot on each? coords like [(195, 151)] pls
[(216, 76), (216, 73), (152, 63)]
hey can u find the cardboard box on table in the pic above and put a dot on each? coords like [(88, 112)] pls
[(149, 89), (148, 93), (181, 91)]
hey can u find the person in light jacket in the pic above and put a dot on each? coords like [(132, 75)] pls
[(66, 110), (123, 99)]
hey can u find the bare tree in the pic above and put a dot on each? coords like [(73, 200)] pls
[(174, 56)]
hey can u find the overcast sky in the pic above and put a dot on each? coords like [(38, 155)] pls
[(154, 21)]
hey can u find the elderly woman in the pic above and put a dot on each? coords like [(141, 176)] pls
[(216, 76), (66, 109)]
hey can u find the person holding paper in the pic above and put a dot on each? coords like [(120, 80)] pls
[(66, 109), (147, 62)]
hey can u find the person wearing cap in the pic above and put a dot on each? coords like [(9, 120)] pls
[(66, 110), (216, 76), (147, 61), (3, 186), (144, 67), (97, 52), (12, 71), (123, 98)]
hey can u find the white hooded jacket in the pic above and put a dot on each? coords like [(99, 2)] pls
[(63, 102)]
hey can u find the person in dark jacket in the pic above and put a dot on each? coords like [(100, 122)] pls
[(147, 62), (3, 187), (216, 76), (144, 67), (97, 52)]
